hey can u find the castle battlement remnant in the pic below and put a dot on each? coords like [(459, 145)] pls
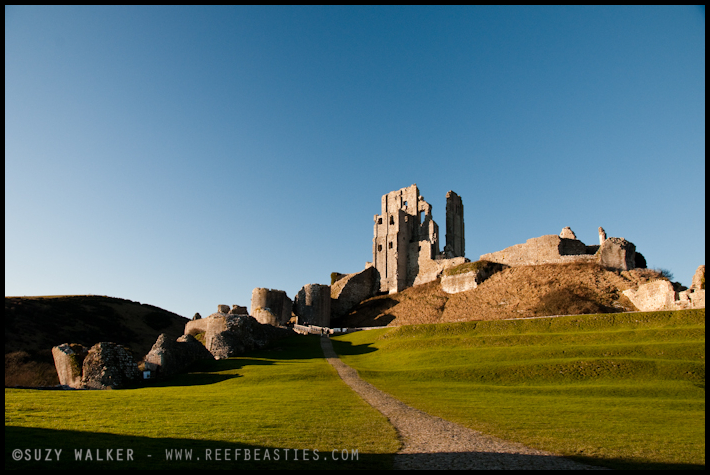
[(405, 247)]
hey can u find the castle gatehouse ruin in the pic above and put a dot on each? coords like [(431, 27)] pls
[(405, 249)]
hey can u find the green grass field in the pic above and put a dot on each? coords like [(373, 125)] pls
[(619, 390), (282, 405)]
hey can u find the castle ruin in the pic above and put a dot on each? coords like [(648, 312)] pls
[(405, 248)]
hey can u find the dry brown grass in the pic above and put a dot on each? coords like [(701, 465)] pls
[(529, 291)]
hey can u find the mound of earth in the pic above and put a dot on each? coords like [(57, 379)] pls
[(33, 325), (515, 292)]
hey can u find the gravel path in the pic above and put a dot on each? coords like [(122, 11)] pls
[(432, 443)]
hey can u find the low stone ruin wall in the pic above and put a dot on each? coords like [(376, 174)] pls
[(660, 294), (613, 253), (453, 284)]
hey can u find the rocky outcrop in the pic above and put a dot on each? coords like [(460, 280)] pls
[(312, 305), (68, 360), (171, 357), (223, 308), (349, 290), (109, 366)]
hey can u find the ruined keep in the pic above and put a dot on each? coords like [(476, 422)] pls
[(405, 248)]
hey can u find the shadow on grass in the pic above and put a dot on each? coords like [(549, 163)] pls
[(291, 349), (31, 448)]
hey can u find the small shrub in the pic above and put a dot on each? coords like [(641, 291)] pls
[(665, 273)]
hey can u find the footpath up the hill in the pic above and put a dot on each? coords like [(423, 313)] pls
[(516, 292), (432, 443)]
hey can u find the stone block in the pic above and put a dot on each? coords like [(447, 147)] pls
[(68, 360), (653, 296), (236, 334), (223, 308), (174, 356), (617, 253)]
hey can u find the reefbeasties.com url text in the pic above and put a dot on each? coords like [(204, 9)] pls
[(259, 454)]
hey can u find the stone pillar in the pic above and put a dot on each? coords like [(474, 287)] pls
[(312, 305), (602, 235), (455, 241)]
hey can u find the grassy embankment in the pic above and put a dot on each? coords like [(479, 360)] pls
[(273, 400), (619, 390)]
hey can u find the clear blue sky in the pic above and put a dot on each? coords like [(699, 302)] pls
[(182, 156)]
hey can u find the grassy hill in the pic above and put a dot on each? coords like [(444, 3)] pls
[(33, 325), (551, 289), (621, 390)]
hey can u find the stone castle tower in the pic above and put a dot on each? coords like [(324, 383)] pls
[(406, 241)]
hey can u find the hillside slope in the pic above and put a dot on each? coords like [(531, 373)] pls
[(515, 292), (33, 325)]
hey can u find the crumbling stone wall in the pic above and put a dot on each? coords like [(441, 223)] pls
[(614, 253), (548, 249), (460, 282), (312, 305), (661, 295), (109, 366), (351, 289)]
